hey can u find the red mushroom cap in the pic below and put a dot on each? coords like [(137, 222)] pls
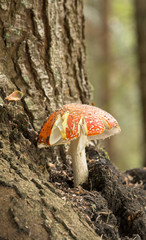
[(66, 122)]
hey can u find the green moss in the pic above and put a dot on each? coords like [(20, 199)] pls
[(103, 154)]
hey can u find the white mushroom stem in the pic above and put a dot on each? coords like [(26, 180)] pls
[(79, 162)]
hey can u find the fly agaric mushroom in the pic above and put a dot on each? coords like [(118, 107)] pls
[(77, 124)]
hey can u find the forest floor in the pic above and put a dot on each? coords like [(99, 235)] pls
[(113, 203)]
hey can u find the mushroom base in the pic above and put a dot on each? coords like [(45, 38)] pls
[(79, 162)]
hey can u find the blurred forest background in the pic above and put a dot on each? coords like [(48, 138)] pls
[(113, 65)]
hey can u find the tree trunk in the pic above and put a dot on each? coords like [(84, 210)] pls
[(140, 7), (42, 54)]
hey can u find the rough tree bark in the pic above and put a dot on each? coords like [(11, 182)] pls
[(140, 9), (41, 54)]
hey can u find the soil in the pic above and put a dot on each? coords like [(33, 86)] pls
[(113, 203)]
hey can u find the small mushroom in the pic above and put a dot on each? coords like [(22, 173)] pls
[(15, 96), (77, 124)]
